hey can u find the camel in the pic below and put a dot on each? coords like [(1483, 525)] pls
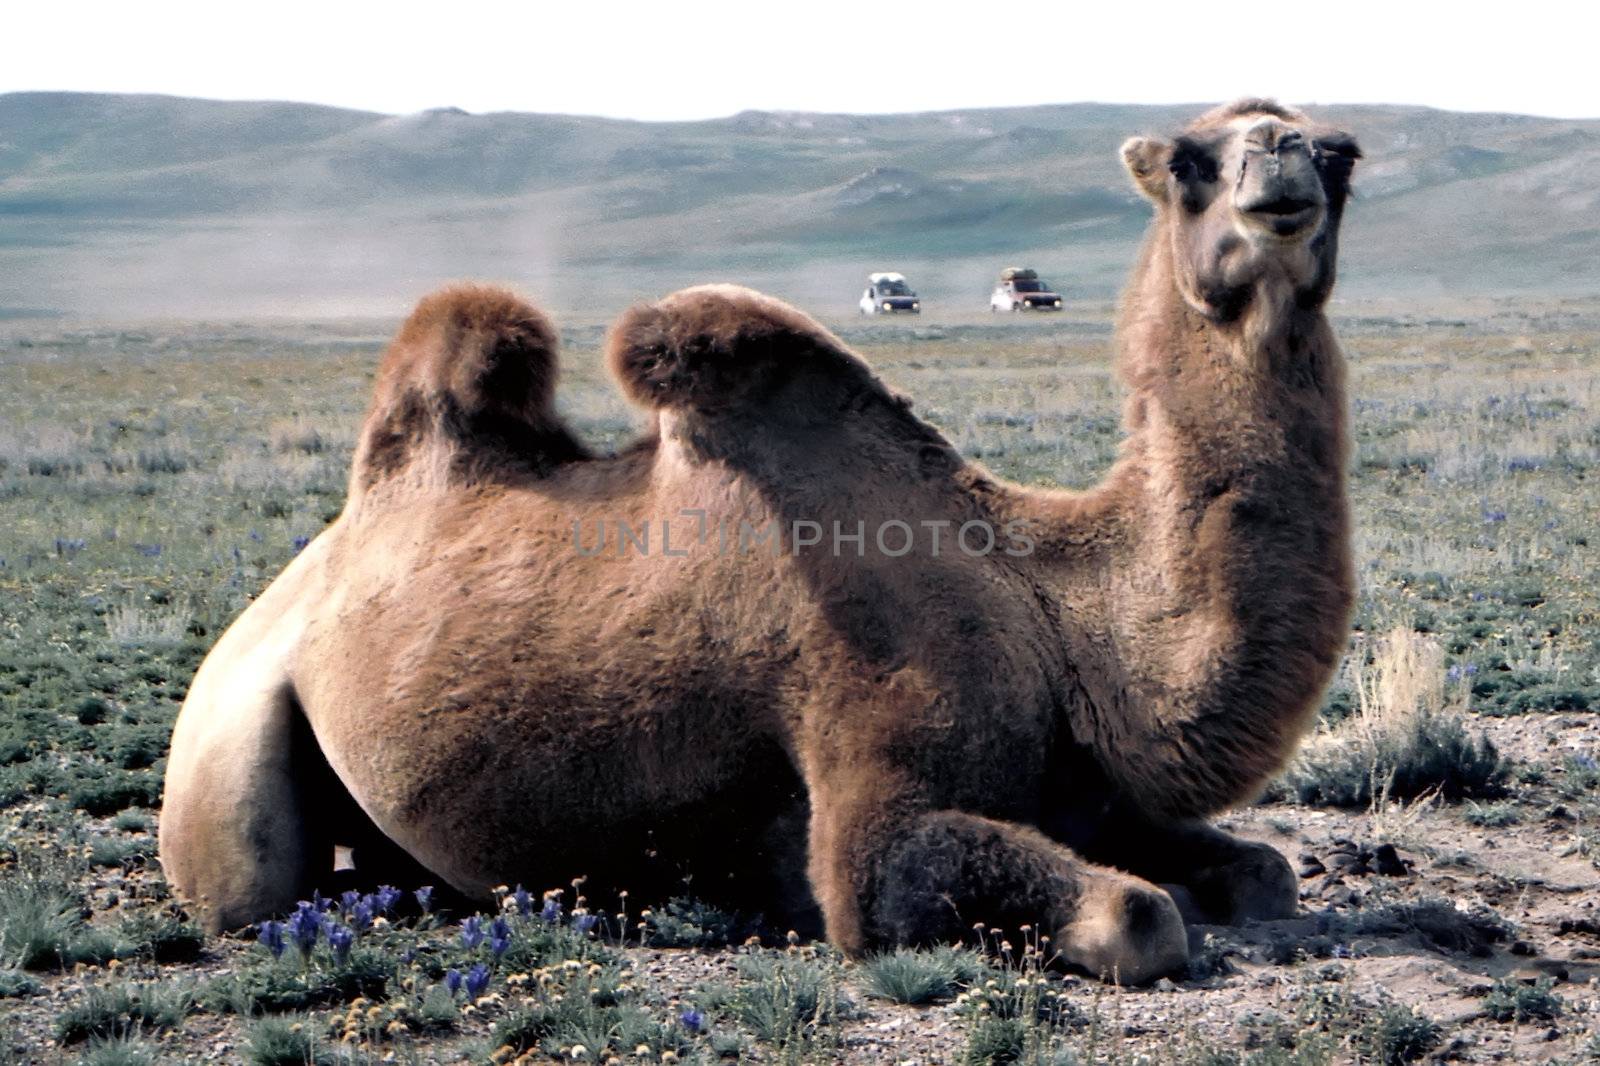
[(740, 652)]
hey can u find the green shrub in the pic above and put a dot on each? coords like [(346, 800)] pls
[(273, 986), (120, 851), (14, 984), (120, 1011), (688, 923), (787, 998), (995, 1042), (132, 820), (1434, 756), (915, 977), (1491, 815), (42, 925), (1396, 1034), (162, 937), (1510, 1000), (287, 1041), (119, 1051), (91, 710), (111, 792)]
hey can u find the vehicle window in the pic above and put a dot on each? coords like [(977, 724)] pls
[(1029, 286), (894, 288)]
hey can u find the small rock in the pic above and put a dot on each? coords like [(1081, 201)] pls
[(1522, 947), (1311, 866), (1552, 1033), (1386, 860), (1353, 863)]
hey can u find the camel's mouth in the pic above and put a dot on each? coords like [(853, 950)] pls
[(1285, 216)]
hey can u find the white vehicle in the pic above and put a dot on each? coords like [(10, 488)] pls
[(888, 294), (1021, 289)]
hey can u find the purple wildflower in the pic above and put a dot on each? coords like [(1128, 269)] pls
[(692, 1020), (361, 916), (271, 937), (304, 926), (300, 543), (499, 937), (584, 922), (524, 901), (452, 980), (425, 898), (348, 900), (477, 980), (552, 909), (387, 896), (340, 938), (472, 932)]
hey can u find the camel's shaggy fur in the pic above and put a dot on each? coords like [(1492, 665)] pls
[(901, 742)]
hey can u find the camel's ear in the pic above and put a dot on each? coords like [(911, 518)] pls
[(1146, 159)]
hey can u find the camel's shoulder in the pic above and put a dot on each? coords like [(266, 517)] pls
[(468, 384)]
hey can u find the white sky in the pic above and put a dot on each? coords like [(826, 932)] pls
[(675, 59)]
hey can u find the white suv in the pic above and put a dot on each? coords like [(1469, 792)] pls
[(888, 294), (1021, 289)]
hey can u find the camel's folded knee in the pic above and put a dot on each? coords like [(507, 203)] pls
[(1124, 930), (716, 347)]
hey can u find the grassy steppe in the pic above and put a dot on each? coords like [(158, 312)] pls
[(153, 479)]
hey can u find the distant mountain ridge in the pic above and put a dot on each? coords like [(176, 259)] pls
[(169, 206)]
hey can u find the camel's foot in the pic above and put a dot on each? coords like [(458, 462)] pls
[(1215, 878), (1125, 930), (1250, 881)]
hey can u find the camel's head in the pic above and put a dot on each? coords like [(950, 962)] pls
[(1251, 192)]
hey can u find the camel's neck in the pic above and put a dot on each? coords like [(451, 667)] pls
[(1229, 572)]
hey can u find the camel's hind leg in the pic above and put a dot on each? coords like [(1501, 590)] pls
[(248, 819)]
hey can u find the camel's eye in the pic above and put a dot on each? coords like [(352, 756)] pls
[(1192, 162)]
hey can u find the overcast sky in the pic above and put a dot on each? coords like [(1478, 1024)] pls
[(675, 59)]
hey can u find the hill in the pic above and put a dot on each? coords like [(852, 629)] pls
[(157, 206)]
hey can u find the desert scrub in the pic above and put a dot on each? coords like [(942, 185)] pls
[(1372, 1028), (287, 1041), (119, 1051), (1491, 815), (14, 984), (915, 977), (1402, 742), (1579, 777), (593, 1008), (42, 924), (1511, 1000), (1436, 922), (789, 998), (689, 923), (122, 1010), (162, 936)]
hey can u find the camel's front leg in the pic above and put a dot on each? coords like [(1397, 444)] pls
[(1227, 879), (886, 877)]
